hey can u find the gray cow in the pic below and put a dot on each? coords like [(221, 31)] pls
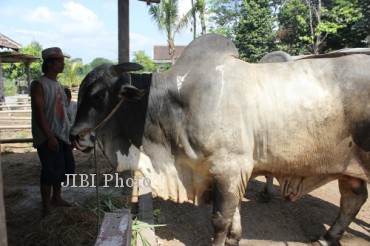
[(212, 121)]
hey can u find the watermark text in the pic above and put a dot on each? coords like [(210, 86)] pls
[(89, 180)]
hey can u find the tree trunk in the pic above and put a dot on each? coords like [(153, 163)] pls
[(203, 21), (193, 11), (171, 49)]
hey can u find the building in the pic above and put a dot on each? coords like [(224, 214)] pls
[(161, 57)]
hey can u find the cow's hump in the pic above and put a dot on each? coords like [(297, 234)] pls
[(209, 47)]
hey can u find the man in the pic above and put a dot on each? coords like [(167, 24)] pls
[(50, 129)]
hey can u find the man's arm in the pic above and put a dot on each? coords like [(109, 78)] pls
[(37, 97)]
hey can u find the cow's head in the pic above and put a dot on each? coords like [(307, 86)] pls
[(99, 93)]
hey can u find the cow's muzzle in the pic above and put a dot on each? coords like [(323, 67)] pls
[(85, 140)]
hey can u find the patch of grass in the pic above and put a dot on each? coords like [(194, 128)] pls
[(107, 203), (136, 235)]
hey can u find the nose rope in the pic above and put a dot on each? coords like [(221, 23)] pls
[(109, 116)]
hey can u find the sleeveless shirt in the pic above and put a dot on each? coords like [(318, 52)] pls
[(55, 111)]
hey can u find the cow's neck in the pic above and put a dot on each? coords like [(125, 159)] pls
[(133, 113)]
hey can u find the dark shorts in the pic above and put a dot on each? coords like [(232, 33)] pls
[(55, 165)]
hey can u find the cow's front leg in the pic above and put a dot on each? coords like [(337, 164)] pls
[(353, 195), (225, 205)]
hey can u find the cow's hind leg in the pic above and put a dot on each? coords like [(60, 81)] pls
[(353, 195), (225, 207), (266, 194)]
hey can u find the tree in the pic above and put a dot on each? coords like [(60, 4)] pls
[(315, 26), (144, 60), (99, 61), (194, 15), (365, 22), (291, 27), (197, 7), (14, 71), (354, 26), (71, 75), (254, 36), (166, 15), (224, 16)]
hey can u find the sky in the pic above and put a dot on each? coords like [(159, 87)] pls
[(85, 29)]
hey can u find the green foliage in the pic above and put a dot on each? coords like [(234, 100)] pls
[(353, 27), (144, 60), (164, 67), (99, 61), (320, 26), (10, 87), (14, 71), (72, 74), (254, 36), (293, 24), (224, 16), (107, 203)]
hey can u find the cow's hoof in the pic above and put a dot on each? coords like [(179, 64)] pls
[(232, 242), (323, 242), (264, 197)]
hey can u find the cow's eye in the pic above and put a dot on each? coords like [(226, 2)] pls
[(99, 96), (97, 99)]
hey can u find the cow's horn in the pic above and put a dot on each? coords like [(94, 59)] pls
[(118, 69)]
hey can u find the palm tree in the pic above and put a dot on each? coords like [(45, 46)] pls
[(197, 6), (201, 9), (70, 76), (166, 15)]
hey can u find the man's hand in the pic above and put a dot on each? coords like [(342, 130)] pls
[(53, 144)]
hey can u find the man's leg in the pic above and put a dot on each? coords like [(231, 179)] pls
[(45, 196)]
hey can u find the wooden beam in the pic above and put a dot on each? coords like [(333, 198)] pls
[(123, 31), (16, 140), (15, 127)]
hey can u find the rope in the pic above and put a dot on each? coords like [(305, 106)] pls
[(109, 115), (97, 191), (114, 109)]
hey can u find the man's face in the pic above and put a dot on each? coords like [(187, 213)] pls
[(58, 65)]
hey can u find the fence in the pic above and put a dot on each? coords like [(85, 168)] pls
[(15, 116)]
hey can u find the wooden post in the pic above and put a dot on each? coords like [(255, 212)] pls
[(2, 87), (3, 235), (115, 229), (123, 31), (28, 74)]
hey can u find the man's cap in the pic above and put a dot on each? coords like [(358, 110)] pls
[(54, 52)]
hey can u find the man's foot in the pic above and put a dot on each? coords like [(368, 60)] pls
[(60, 203), (46, 211)]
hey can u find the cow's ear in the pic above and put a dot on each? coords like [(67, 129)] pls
[(118, 69), (130, 93)]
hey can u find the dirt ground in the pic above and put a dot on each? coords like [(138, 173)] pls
[(275, 223)]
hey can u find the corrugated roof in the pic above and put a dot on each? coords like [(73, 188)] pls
[(160, 52), (6, 42)]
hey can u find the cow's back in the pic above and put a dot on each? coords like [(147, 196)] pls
[(286, 113)]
